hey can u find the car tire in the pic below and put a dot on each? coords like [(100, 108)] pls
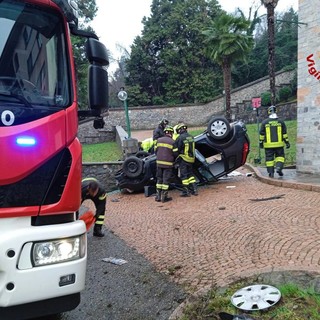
[(142, 154), (132, 167), (219, 128)]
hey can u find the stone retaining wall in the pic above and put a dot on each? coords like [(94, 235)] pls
[(104, 172), (146, 118)]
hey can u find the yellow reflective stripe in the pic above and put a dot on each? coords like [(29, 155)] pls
[(103, 197), (192, 179), (185, 182), (268, 134), (165, 145), (167, 163), (187, 158), (270, 163), (87, 179), (279, 159), (274, 144), (279, 131)]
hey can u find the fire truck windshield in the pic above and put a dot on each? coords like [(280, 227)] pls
[(34, 67)]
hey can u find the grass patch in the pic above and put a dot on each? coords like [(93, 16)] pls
[(295, 304), (255, 152), (290, 154), (109, 151), (101, 152)]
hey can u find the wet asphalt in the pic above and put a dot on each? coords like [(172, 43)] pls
[(132, 291)]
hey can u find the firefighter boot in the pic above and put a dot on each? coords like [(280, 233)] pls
[(279, 170), (158, 195), (270, 171), (164, 196), (97, 232), (194, 189), (185, 192)]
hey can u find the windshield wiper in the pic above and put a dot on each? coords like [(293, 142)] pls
[(16, 96)]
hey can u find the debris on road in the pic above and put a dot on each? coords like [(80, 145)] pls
[(280, 196), (116, 261)]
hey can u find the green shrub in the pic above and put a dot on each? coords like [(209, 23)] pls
[(266, 99), (284, 93), (157, 101)]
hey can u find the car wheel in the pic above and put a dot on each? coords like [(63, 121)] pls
[(142, 154), (132, 167), (219, 128)]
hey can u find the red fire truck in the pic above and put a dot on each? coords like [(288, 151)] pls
[(43, 251)]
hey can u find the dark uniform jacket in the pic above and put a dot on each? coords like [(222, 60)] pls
[(186, 147), (165, 152), (158, 132), (273, 133), (99, 199)]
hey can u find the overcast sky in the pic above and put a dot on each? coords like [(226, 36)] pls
[(119, 21)]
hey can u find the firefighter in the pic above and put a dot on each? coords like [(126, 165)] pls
[(158, 132), (147, 145), (164, 150), (273, 137), (175, 133), (92, 189), (185, 146)]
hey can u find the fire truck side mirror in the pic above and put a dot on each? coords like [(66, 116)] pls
[(98, 75)]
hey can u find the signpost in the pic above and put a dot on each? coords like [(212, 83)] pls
[(122, 95), (256, 104)]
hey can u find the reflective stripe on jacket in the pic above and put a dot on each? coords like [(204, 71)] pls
[(186, 147), (273, 133), (163, 148)]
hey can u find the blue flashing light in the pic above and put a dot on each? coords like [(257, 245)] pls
[(26, 141)]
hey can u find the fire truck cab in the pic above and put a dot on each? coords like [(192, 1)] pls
[(43, 249)]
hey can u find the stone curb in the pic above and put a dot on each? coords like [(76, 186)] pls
[(283, 183)]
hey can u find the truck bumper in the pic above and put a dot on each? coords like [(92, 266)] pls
[(23, 283)]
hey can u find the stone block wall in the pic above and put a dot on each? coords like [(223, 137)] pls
[(146, 118), (104, 172), (308, 110)]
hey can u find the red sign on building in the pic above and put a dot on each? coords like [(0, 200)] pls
[(256, 102)]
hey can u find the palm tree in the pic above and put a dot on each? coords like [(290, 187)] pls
[(229, 40), (270, 5)]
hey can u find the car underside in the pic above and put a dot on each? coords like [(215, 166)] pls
[(220, 149)]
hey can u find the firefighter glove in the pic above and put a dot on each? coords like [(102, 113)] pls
[(287, 145), (261, 145)]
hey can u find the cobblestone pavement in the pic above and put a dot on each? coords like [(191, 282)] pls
[(234, 228)]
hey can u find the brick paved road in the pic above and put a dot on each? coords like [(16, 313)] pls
[(224, 233)]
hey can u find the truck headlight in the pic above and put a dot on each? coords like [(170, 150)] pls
[(57, 251)]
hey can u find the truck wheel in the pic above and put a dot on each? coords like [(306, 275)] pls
[(218, 128), (132, 167)]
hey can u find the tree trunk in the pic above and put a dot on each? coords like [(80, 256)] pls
[(226, 67), (271, 56)]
